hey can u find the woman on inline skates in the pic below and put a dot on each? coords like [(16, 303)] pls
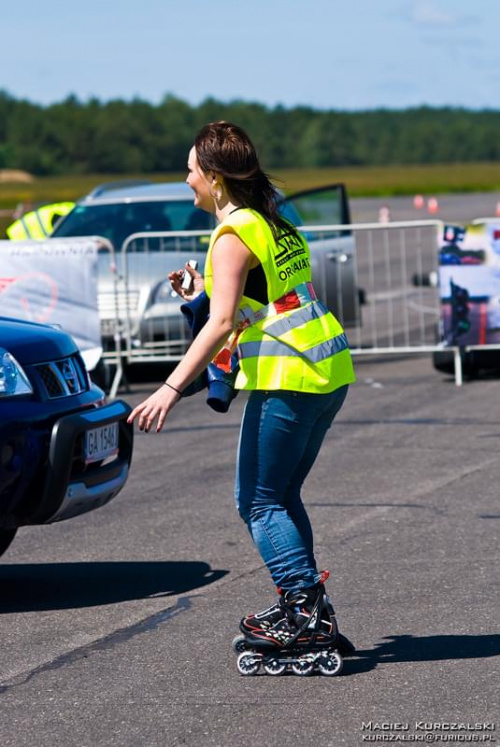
[(295, 361)]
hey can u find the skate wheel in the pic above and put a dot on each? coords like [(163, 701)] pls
[(248, 663), (330, 664), (274, 667), (302, 667), (240, 644)]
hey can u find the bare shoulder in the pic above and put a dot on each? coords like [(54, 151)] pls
[(228, 240), (230, 247)]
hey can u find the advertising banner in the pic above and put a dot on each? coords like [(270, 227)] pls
[(54, 282), (469, 283)]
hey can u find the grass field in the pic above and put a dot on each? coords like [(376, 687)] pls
[(361, 182)]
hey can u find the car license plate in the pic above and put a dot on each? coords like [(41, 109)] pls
[(101, 443)]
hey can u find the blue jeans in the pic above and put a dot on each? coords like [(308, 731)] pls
[(281, 435)]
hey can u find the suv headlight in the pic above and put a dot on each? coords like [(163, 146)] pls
[(13, 380)]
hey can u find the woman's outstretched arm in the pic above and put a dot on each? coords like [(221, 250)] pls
[(231, 260)]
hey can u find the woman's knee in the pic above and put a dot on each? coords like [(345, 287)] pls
[(252, 511)]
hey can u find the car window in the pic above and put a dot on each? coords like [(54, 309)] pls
[(116, 222), (319, 207), (324, 206)]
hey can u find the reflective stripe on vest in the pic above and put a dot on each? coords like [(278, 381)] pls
[(299, 296), (43, 227), (34, 226), (25, 222), (315, 310), (278, 348)]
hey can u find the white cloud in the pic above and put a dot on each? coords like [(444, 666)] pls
[(428, 13)]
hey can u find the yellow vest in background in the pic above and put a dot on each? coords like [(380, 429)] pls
[(294, 343), (38, 224)]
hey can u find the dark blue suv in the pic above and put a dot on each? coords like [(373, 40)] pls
[(63, 450)]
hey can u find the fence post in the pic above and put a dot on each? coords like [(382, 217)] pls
[(457, 360)]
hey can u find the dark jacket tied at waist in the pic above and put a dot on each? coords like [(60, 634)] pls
[(220, 384)]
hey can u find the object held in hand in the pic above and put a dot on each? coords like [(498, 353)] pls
[(187, 280)]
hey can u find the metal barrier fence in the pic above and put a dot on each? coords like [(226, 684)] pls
[(141, 321), (399, 306), (109, 295), (372, 276), (391, 261)]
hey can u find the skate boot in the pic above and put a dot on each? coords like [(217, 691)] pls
[(343, 644), (267, 618), (299, 637)]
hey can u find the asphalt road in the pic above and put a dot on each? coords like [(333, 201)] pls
[(117, 626)]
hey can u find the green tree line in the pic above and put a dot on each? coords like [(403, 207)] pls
[(74, 137)]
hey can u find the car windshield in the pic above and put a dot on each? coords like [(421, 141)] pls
[(117, 221)]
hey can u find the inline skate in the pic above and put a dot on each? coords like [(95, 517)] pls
[(298, 634)]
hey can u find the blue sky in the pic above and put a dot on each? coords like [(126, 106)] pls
[(329, 54)]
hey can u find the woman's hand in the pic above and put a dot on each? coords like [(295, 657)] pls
[(197, 286), (158, 405)]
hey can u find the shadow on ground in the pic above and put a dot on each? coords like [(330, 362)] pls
[(405, 648), (52, 586)]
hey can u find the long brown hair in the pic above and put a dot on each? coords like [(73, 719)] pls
[(227, 150)]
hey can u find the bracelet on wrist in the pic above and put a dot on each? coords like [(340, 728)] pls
[(173, 388)]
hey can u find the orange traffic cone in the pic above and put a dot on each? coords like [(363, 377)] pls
[(432, 205), (384, 215)]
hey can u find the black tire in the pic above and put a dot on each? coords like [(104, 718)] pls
[(444, 361), (6, 537), (102, 375), (423, 280)]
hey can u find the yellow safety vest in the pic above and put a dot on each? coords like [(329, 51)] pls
[(38, 224), (294, 343)]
